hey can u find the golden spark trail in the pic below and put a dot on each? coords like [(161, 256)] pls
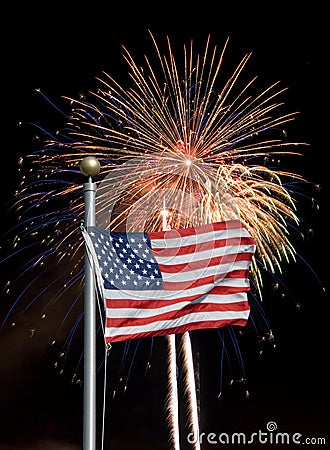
[(190, 388), (171, 404)]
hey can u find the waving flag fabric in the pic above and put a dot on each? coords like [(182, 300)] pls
[(168, 282)]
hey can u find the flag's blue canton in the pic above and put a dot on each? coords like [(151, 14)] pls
[(126, 260)]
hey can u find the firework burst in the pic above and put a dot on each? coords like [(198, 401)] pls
[(178, 132)]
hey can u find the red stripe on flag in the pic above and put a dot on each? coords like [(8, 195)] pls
[(179, 329), (204, 263)]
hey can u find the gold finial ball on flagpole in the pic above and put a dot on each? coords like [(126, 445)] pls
[(90, 166)]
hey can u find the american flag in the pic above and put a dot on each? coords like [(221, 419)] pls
[(168, 282)]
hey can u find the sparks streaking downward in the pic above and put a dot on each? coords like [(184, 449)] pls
[(209, 150)]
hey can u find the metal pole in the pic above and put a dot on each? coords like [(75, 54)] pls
[(89, 167), (89, 423)]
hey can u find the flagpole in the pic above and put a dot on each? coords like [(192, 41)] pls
[(90, 167)]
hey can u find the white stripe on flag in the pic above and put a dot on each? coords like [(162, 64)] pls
[(131, 312)]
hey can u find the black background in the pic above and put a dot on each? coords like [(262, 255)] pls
[(61, 49)]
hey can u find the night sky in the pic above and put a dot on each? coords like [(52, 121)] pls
[(62, 52)]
